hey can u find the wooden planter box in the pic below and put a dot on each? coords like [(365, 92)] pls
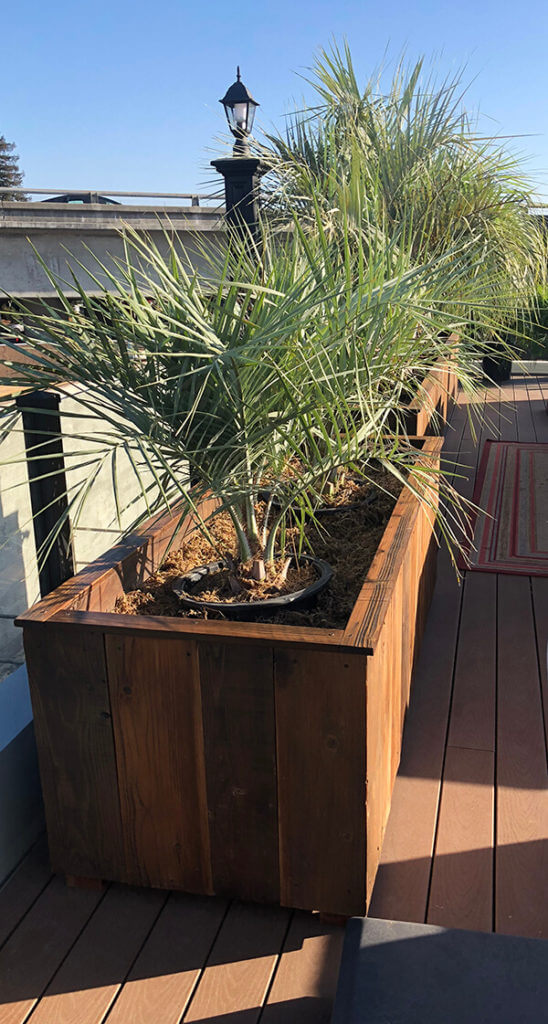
[(427, 413), (250, 759)]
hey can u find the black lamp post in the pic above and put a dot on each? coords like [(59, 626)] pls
[(242, 171)]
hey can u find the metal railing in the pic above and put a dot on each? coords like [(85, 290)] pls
[(95, 195)]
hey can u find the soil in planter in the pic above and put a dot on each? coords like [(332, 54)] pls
[(348, 539)]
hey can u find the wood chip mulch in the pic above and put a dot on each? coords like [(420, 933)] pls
[(347, 538)]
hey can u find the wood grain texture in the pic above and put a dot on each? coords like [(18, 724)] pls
[(522, 778), (321, 746), (239, 969), (237, 689), (163, 979), (73, 728), (427, 413), (31, 956), (202, 629), (91, 976), (462, 876), (304, 987), (161, 774), (409, 525)]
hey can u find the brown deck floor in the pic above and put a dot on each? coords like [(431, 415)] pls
[(130, 956), (467, 839), (466, 843)]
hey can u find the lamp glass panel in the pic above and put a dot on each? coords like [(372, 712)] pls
[(241, 116), (251, 115)]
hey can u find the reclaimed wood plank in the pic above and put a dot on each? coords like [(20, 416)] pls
[(305, 983), (237, 690), (202, 629), (165, 974), (461, 892), (35, 950), (238, 972), (73, 728), (157, 724), (522, 778), (91, 976), (23, 887), (474, 693), (321, 741)]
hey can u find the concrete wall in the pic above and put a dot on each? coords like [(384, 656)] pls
[(63, 235), (21, 808), (18, 568)]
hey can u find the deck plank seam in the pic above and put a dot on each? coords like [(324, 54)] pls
[(64, 958), (122, 982), (539, 667), (195, 987), (10, 878), (275, 969), (442, 773)]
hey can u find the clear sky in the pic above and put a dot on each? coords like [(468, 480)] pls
[(124, 95)]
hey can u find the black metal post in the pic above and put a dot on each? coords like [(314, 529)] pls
[(242, 176), (48, 485)]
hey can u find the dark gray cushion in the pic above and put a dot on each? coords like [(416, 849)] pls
[(398, 973)]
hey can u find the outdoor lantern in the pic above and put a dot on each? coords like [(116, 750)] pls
[(240, 112)]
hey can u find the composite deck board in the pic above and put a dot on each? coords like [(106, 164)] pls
[(508, 422), (401, 887), (403, 877), (474, 694), (524, 414), (538, 398), (522, 780), (89, 979), (483, 845), (239, 969), (33, 953), (539, 586), (23, 888), (462, 875), (306, 976), (166, 972)]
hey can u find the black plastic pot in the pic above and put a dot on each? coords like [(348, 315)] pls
[(497, 367), (321, 510), (251, 609)]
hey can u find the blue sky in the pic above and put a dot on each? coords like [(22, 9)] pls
[(123, 95)]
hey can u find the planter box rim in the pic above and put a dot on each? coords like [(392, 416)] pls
[(359, 634)]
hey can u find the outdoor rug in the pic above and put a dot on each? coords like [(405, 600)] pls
[(512, 487)]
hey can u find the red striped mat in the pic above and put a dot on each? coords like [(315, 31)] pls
[(512, 487)]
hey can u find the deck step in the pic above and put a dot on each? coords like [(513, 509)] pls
[(416, 973)]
